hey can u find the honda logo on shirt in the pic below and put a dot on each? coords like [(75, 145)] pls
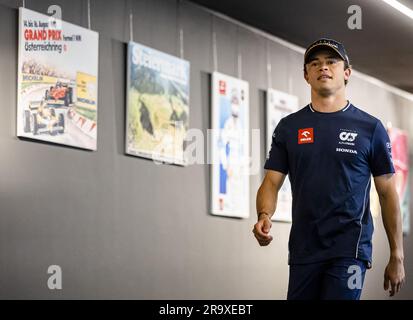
[(305, 135)]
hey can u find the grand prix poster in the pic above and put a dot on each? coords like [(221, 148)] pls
[(229, 146), (279, 105), (57, 81), (400, 156), (157, 105)]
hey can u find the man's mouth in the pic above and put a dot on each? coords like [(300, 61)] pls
[(324, 77)]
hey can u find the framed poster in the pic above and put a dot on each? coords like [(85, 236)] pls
[(157, 111), (229, 147), (57, 81), (400, 155), (280, 104)]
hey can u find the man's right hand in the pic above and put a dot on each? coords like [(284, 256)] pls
[(262, 230)]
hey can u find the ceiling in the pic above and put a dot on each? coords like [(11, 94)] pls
[(383, 48)]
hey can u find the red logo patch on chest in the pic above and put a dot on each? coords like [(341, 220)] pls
[(306, 135)]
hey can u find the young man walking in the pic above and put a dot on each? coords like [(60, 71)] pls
[(330, 149)]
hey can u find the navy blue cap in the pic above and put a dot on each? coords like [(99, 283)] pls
[(328, 43)]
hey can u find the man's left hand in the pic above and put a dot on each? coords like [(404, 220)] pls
[(394, 276)]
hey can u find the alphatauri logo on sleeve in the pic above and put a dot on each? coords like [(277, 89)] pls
[(388, 146), (306, 135)]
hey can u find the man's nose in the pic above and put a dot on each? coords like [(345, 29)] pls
[(323, 66)]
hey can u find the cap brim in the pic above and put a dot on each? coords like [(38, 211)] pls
[(318, 47)]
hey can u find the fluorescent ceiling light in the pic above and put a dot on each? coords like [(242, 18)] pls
[(401, 7)]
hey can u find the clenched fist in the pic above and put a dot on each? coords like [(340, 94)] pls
[(262, 230)]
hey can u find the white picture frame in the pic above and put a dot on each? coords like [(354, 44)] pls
[(230, 191)]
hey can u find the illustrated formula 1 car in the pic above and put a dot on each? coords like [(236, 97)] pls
[(44, 119), (61, 93)]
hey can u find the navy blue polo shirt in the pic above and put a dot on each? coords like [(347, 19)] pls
[(329, 159)]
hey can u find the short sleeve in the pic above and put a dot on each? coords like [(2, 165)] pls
[(380, 156), (278, 158)]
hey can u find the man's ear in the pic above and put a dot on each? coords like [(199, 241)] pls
[(347, 73)]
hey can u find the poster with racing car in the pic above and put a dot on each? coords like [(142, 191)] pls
[(279, 105), (230, 190), (57, 81), (157, 111), (400, 156)]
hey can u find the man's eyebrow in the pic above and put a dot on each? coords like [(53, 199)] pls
[(328, 57)]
